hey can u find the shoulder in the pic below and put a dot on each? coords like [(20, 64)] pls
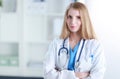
[(94, 45), (93, 42), (56, 41)]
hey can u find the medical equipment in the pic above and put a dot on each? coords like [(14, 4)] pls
[(63, 53)]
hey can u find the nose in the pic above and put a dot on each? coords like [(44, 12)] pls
[(73, 21)]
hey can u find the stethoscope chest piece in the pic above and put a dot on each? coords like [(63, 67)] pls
[(77, 68), (77, 64)]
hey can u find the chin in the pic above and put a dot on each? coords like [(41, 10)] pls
[(73, 31)]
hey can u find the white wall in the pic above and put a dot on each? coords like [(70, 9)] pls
[(105, 15)]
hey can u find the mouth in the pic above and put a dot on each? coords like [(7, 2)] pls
[(72, 27)]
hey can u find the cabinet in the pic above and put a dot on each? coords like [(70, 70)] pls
[(25, 34)]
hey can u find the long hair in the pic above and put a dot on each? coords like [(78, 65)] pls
[(86, 30)]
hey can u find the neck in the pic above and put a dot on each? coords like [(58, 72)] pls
[(74, 37)]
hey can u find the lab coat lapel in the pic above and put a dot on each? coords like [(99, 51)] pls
[(78, 52)]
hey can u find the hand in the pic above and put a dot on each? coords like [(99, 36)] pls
[(81, 75)]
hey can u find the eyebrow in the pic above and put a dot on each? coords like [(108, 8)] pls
[(71, 15)]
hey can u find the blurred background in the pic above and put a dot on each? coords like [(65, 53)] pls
[(28, 26)]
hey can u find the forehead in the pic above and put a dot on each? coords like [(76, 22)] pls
[(73, 11)]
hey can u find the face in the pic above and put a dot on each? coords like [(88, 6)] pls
[(73, 20)]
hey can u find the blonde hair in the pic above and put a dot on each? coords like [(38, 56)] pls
[(86, 31)]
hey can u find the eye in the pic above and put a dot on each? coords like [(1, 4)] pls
[(69, 17), (78, 17)]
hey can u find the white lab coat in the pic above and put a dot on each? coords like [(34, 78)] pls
[(91, 60)]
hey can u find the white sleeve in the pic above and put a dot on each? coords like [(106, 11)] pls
[(98, 67), (49, 66)]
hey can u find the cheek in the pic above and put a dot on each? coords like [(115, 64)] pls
[(79, 23), (68, 23)]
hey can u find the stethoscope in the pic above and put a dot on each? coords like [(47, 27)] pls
[(64, 51)]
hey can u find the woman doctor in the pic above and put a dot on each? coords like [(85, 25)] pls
[(77, 54)]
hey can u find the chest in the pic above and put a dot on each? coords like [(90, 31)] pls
[(84, 63)]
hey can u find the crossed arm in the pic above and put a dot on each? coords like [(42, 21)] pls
[(80, 75)]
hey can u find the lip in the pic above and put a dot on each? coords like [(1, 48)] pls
[(72, 27)]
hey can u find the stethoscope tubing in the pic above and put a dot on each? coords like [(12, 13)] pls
[(81, 50), (67, 49), (64, 48)]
